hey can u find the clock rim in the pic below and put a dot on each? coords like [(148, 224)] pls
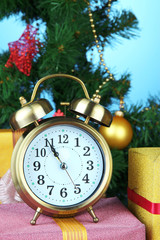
[(22, 187)]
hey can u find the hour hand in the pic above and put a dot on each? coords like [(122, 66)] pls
[(56, 154)]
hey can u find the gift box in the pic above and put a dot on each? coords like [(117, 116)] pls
[(144, 188), (115, 223), (8, 140)]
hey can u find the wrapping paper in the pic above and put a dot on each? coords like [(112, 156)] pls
[(115, 223), (8, 140), (144, 188), (6, 148)]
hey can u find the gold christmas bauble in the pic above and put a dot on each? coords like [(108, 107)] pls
[(119, 134)]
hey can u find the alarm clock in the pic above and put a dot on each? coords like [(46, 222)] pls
[(61, 166)]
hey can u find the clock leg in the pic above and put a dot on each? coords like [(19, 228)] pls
[(91, 212), (36, 215)]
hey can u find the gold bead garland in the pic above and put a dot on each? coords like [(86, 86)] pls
[(110, 75), (120, 132), (121, 106)]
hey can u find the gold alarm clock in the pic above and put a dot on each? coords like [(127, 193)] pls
[(61, 165)]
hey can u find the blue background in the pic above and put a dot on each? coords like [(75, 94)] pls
[(139, 56)]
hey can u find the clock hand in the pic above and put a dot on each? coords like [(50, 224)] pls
[(63, 165), (70, 178), (56, 154)]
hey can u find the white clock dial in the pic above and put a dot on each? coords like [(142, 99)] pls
[(63, 165)]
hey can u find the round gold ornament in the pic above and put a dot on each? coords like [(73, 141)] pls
[(119, 134)]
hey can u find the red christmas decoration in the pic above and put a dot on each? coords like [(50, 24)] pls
[(58, 113), (24, 50)]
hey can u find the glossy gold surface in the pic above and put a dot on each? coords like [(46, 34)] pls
[(34, 110), (55, 76), (30, 113), (120, 133), (21, 185), (94, 111), (93, 215)]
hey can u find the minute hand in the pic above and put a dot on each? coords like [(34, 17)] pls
[(63, 165)]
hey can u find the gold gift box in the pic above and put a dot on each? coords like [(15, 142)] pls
[(7, 141), (144, 188)]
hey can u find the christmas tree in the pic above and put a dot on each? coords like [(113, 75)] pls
[(74, 30)]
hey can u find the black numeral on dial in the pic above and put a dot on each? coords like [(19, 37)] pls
[(40, 180), (40, 152), (77, 189), (87, 149), (36, 165), (90, 165), (77, 142), (63, 138), (50, 189), (85, 178), (48, 143), (63, 192)]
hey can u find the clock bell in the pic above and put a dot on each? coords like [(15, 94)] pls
[(32, 111)]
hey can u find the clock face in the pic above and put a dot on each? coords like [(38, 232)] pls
[(63, 165)]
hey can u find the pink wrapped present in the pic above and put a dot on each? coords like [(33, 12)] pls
[(115, 223)]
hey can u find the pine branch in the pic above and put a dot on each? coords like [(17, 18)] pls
[(122, 24)]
